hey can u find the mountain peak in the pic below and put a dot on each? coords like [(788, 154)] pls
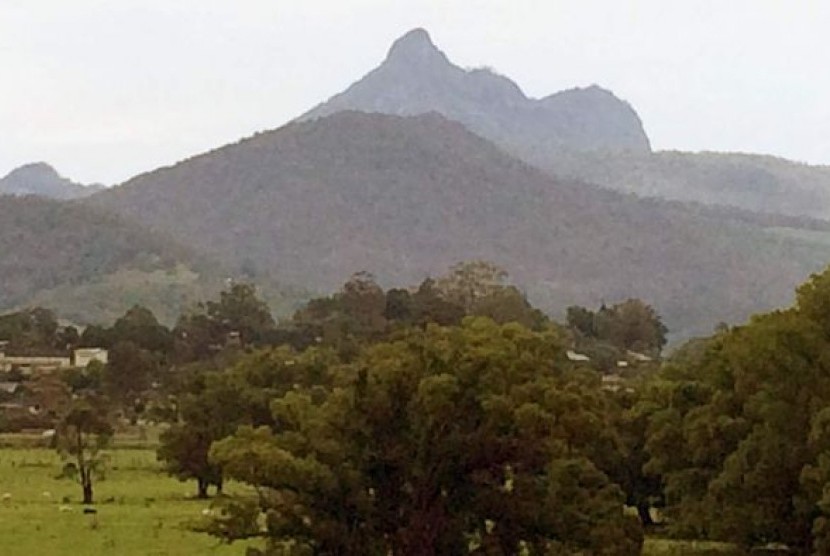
[(38, 170), (417, 77), (39, 178), (415, 47)]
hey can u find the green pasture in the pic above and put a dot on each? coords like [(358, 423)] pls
[(141, 511)]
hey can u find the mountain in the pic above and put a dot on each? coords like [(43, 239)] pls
[(417, 78), (90, 267), (586, 134), (404, 197), (41, 179)]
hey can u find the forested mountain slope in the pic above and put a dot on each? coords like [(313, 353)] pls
[(753, 182), (90, 266), (312, 202)]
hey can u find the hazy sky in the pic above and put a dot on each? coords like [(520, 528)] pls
[(105, 89)]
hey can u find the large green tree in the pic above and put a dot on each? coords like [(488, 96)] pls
[(739, 435), (212, 403), (446, 440)]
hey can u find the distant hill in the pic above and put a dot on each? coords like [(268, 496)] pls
[(90, 266), (417, 78), (586, 134), (404, 197), (754, 182), (41, 179)]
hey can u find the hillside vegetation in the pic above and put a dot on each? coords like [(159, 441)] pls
[(313, 202), (753, 182), (89, 266)]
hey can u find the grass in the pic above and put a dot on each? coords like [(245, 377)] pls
[(666, 547), (141, 511)]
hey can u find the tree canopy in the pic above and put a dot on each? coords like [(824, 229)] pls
[(442, 441)]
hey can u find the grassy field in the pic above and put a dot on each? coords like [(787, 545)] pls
[(140, 510), (665, 547)]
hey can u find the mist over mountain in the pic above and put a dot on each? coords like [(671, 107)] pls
[(41, 179), (405, 197), (586, 134), (418, 78)]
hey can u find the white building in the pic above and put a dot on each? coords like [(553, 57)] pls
[(85, 356)]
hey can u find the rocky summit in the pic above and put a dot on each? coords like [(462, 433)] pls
[(416, 78)]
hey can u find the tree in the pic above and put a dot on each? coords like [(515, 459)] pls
[(129, 374), (83, 432), (628, 326), (444, 441), (202, 333), (632, 325), (213, 403), (581, 320), (240, 310), (469, 281), (32, 331), (738, 434), (140, 326), (184, 449), (429, 306)]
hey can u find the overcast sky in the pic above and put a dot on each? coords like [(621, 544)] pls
[(106, 89)]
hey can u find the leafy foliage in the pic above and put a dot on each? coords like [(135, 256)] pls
[(737, 432), (442, 441)]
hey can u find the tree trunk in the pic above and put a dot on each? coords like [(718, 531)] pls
[(87, 486), (202, 485), (219, 485), (644, 513)]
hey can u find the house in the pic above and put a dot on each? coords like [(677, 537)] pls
[(84, 356), (29, 365)]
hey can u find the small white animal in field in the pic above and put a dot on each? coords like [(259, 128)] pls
[(207, 511), (65, 509), (47, 494), (7, 496)]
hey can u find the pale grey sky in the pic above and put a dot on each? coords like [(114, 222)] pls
[(106, 89)]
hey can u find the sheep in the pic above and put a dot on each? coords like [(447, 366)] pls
[(65, 509), (7, 496)]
